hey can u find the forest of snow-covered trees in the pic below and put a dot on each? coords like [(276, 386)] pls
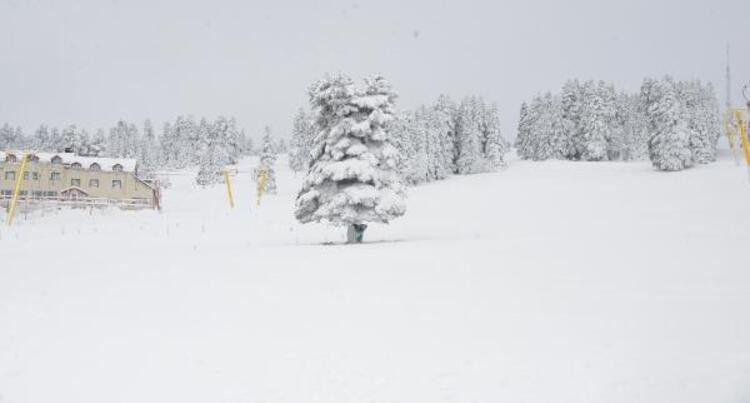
[(185, 142), (434, 140), (674, 123)]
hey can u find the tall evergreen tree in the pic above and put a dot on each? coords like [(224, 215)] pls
[(265, 174), (303, 135), (211, 151), (469, 137), (669, 139), (353, 178)]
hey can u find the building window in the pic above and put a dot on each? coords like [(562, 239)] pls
[(95, 167), (55, 176), (116, 184), (10, 175), (38, 193), (94, 183), (35, 176), (6, 192), (33, 158), (117, 168), (25, 175), (56, 160), (75, 182), (75, 165), (10, 158)]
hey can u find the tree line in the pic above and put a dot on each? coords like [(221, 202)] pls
[(181, 143), (433, 141), (673, 123)]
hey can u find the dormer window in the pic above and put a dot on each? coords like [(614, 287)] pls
[(10, 158), (56, 159), (95, 167), (117, 168), (33, 158), (75, 165)]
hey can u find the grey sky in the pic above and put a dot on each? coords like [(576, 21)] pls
[(93, 62)]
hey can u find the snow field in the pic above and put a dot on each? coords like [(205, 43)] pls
[(554, 281)]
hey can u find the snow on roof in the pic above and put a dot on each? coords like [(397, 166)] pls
[(105, 164)]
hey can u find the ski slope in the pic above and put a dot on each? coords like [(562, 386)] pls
[(546, 282)]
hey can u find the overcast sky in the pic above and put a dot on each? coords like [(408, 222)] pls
[(94, 62)]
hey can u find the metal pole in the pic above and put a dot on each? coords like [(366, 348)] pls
[(17, 190), (229, 189)]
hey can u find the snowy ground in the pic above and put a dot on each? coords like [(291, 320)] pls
[(548, 282)]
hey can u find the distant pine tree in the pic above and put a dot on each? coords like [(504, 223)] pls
[(266, 164), (669, 137), (303, 135)]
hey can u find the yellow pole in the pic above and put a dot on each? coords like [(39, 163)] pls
[(229, 189), (731, 134), (743, 135), (261, 185), (17, 190)]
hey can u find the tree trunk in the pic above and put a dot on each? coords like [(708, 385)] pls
[(355, 233), (350, 234)]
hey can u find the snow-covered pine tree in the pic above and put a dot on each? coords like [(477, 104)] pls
[(448, 110), (98, 144), (7, 137), (469, 137), (353, 177), (302, 138), (184, 136), (401, 130), (595, 118), (612, 121), (55, 140), (116, 143), (242, 144), (572, 103), (20, 138), (266, 164), (440, 152), (617, 141), (281, 147), (494, 145), (703, 123), (249, 146), (149, 151), (669, 140), (523, 135), (132, 142), (40, 140), (548, 128), (234, 141), (222, 139), (167, 145), (635, 131), (212, 153), (74, 140)]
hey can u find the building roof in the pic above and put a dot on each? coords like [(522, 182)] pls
[(106, 164), (68, 189)]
